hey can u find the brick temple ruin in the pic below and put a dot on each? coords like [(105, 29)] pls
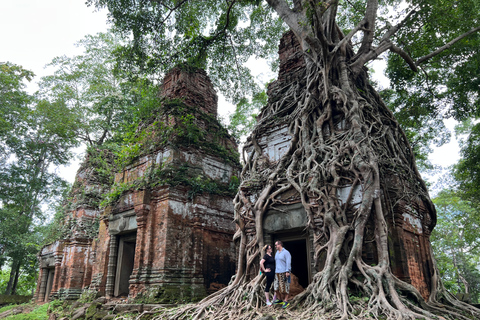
[(162, 237), (169, 233), (410, 226)]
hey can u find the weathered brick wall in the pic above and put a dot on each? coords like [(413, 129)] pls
[(100, 249), (291, 67), (183, 237), (73, 255), (184, 242), (193, 87)]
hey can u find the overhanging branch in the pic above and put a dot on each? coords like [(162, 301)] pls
[(446, 46)]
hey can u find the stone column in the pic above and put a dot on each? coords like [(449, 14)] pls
[(43, 284), (112, 265), (142, 210), (58, 269)]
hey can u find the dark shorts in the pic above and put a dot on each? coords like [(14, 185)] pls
[(281, 284)]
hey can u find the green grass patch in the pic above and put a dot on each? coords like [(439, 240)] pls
[(6, 308), (39, 312)]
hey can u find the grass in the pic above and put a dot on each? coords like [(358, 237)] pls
[(39, 312), (3, 309)]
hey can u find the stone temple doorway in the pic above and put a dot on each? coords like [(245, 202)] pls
[(298, 247), (49, 283), (125, 263), (298, 250), (287, 223)]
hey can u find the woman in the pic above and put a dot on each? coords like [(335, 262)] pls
[(267, 266)]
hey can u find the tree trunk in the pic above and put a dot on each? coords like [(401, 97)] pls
[(13, 280)]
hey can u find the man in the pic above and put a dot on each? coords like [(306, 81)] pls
[(283, 262)]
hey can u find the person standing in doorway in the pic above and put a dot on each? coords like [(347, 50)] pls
[(267, 266), (283, 262)]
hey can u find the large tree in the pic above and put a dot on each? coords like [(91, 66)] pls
[(337, 39), (99, 100), (34, 139)]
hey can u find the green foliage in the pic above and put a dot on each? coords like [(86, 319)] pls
[(423, 126), (117, 190), (13, 99), (157, 132), (99, 101), (467, 171), (88, 296), (244, 118), (456, 244), (6, 308), (26, 282), (447, 84), (37, 142), (217, 36)]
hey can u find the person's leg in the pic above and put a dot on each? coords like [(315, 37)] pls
[(281, 286), (270, 277), (287, 288), (287, 291), (276, 297)]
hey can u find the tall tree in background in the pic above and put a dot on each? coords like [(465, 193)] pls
[(456, 243), (103, 104), (431, 38), (36, 140), (99, 100)]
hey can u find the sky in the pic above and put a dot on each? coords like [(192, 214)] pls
[(33, 32)]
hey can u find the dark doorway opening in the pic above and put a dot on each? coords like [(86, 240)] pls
[(298, 251), (125, 263), (49, 284)]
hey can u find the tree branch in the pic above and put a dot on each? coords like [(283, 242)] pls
[(446, 46), (363, 57), (396, 27), (369, 31), (402, 53), (290, 17), (370, 55), (348, 37)]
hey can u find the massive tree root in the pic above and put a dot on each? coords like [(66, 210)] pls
[(341, 134)]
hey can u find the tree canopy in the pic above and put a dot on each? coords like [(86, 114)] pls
[(428, 81)]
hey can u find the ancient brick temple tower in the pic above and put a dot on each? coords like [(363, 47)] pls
[(167, 231), (409, 226)]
